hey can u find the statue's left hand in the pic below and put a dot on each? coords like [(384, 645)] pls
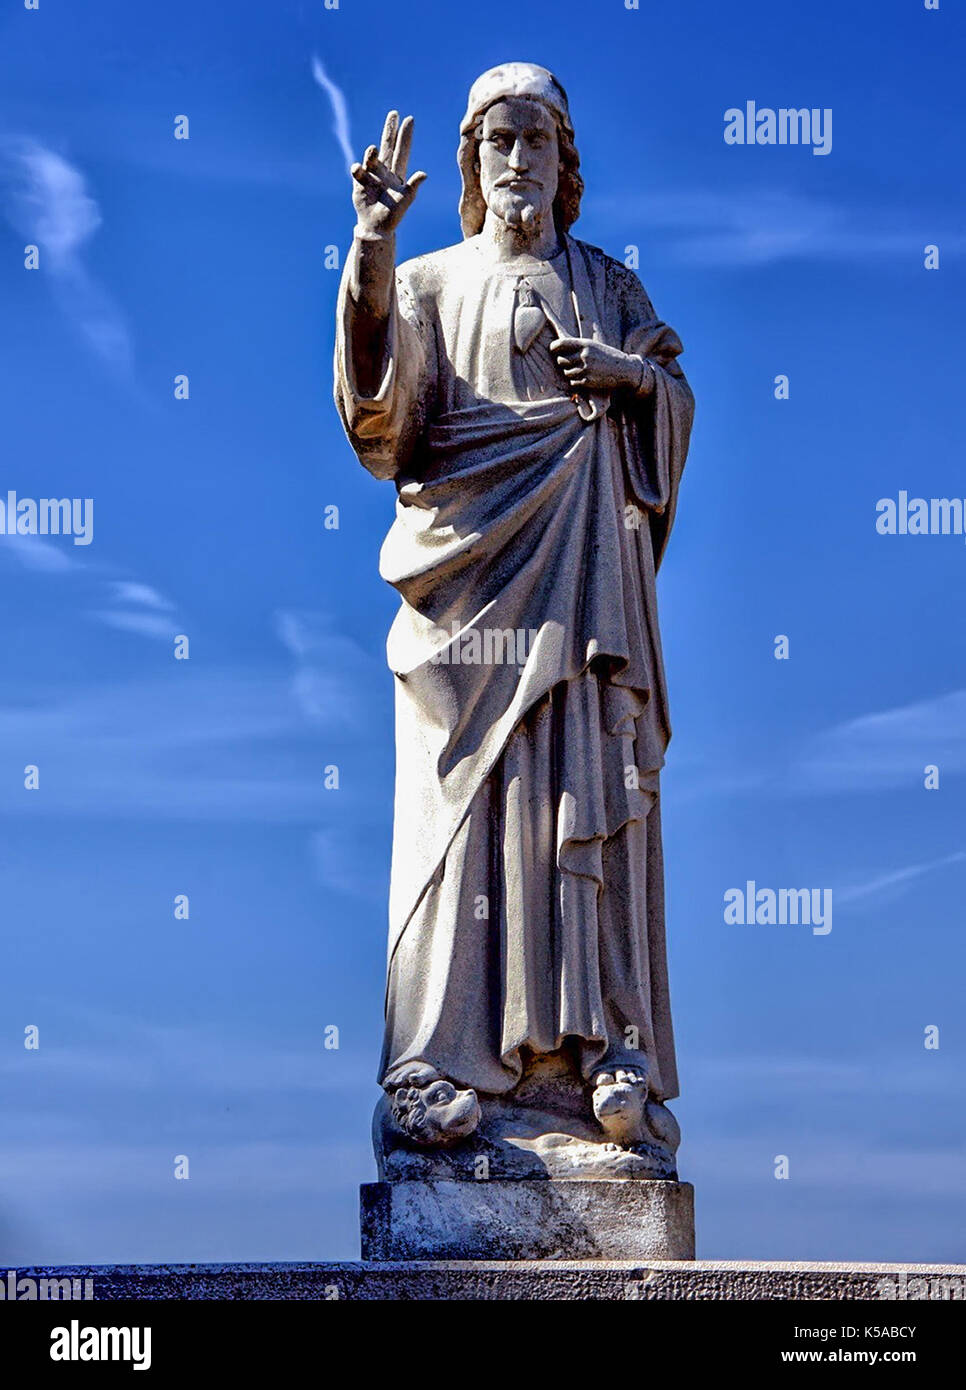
[(593, 366)]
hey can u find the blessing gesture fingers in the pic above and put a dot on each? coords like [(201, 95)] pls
[(381, 193)]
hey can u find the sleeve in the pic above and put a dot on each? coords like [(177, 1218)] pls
[(655, 429), (383, 429)]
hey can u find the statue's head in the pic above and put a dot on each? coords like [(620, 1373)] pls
[(517, 154), (429, 1108)]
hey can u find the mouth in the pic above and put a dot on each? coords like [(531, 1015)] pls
[(518, 185)]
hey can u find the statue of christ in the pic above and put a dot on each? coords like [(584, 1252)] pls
[(527, 402)]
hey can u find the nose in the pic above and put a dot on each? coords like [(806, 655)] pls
[(517, 158)]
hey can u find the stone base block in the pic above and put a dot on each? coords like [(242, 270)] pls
[(548, 1220), (717, 1281)]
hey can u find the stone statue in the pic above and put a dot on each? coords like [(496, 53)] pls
[(527, 402)]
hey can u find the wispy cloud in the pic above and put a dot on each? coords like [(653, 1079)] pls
[(329, 671), (141, 609), (128, 591), (123, 749), (222, 744), (145, 624), (188, 744), (764, 226), (883, 887), (41, 556), (325, 663), (51, 202), (47, 201), (340, 112), (890, 748), (125, 604)]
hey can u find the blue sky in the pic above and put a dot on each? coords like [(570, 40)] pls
[(158, 777)]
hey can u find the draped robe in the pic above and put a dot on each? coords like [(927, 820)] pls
[(527, 898)]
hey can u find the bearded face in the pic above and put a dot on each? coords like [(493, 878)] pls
[(519, 161)]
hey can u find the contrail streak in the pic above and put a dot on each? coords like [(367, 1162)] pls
[(340, 114)]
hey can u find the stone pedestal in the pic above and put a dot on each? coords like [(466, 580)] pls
[(691, 1281), (548, 1220)]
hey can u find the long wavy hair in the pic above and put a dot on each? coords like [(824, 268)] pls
[(570, 186)]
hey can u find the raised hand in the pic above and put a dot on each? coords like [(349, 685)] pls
[(381, 193)]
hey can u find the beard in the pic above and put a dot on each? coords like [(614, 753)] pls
[(522, 216), (522, 212)]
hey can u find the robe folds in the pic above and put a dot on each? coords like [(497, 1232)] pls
[(527, 900)]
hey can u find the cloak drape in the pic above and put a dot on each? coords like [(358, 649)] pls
[(526, 904)]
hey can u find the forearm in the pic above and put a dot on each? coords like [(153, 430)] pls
[(370, 282), (372, 266)]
